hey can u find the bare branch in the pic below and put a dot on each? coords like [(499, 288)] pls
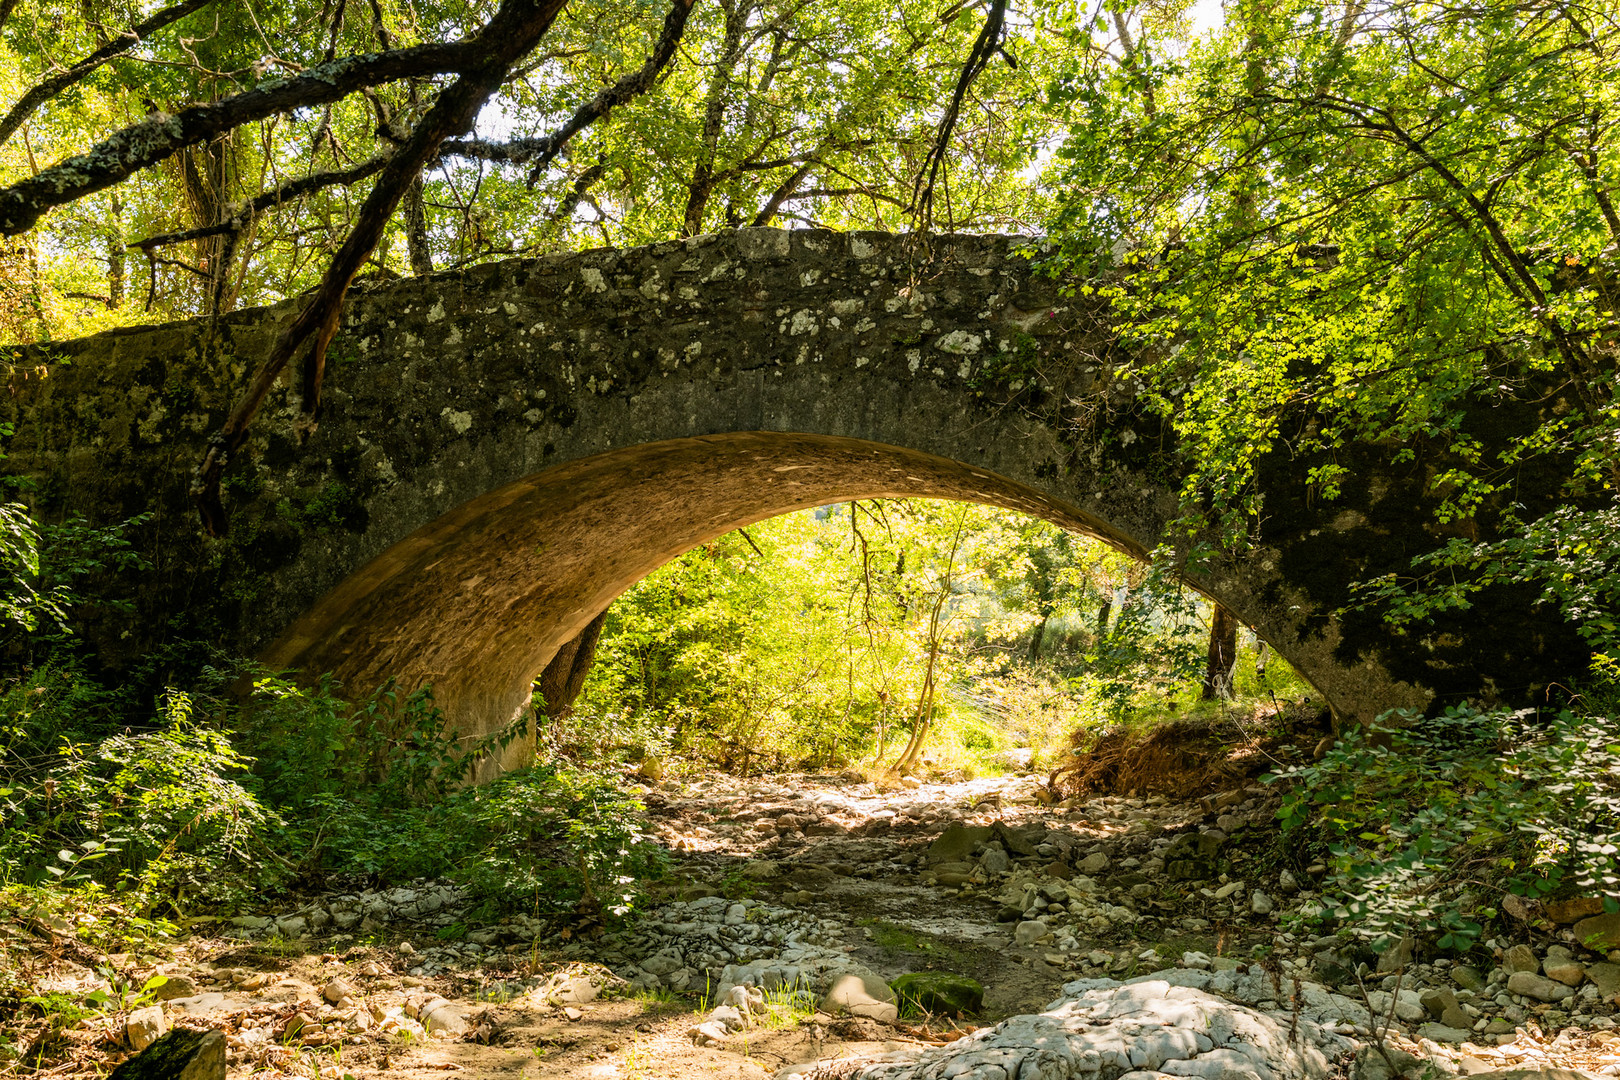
[(984, 49), (54, 85)]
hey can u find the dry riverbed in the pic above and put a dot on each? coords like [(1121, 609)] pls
[(787, 886)]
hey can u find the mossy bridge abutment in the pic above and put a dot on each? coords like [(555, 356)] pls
[(502, 451)]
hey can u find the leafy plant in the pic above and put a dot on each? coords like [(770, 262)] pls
[(1420, 815)]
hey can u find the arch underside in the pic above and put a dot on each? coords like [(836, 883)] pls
[(479, 600)]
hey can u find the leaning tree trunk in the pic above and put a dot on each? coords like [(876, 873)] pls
[(564, 677), (1222, 661)]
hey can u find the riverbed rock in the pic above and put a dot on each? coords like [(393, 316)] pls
[(1606, 977), (861, 995), (1537, 986), (956, 843), (1521, 958), (182, 1054), (175, 986), (1574, 910), (1600, 933), (145, 1026), (1560, 965), (1143, 1031), (1031, 932), (1192, 857)]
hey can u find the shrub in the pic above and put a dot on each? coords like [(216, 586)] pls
[(1415, 812), (552, 839), (155, 813)]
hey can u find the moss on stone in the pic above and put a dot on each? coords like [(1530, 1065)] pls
[(938, 992)]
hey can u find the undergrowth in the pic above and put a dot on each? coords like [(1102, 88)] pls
[(1424, 821), (208, 802)]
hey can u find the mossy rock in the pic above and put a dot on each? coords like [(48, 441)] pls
[(938, 992)]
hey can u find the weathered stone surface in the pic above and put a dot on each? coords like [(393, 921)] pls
[(861, 995), (1521, 958), (956, 843), (1559, 964), (1192, 857), (1537, 986), (1106, 1031), (503, 450), (1600, 933), (145, 1026), (175, 986), (1606, 977), (1569, 911)]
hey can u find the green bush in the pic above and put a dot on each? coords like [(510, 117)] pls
[(310, 745), (159, 812), (1416, 814), (552, 839)]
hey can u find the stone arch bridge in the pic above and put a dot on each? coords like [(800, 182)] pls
[(502, 451)]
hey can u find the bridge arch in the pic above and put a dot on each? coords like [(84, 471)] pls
[(504, 449), (477, 602)]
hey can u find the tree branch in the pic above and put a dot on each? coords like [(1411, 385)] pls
[(54, 85), (149, 141), (292, 189), (514, 29), (544, 149), (984, 49)]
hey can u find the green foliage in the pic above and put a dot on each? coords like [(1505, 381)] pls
[(161, 812), (311, 744), (550, 838), (1416, 811), (806, 641), (1569, 554), (1300, 228), (170, 815), (44, 567), (771, 113)]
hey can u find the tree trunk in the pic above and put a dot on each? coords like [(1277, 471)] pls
[(1035, 641), (115, 256), (416, 233), (564, 677), (714, 112), (1103, 614), (1223, 628)]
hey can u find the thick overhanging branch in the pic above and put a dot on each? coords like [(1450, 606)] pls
[(515, 29), (517, 151), (542, 150), (54, 85), (149, 141)]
